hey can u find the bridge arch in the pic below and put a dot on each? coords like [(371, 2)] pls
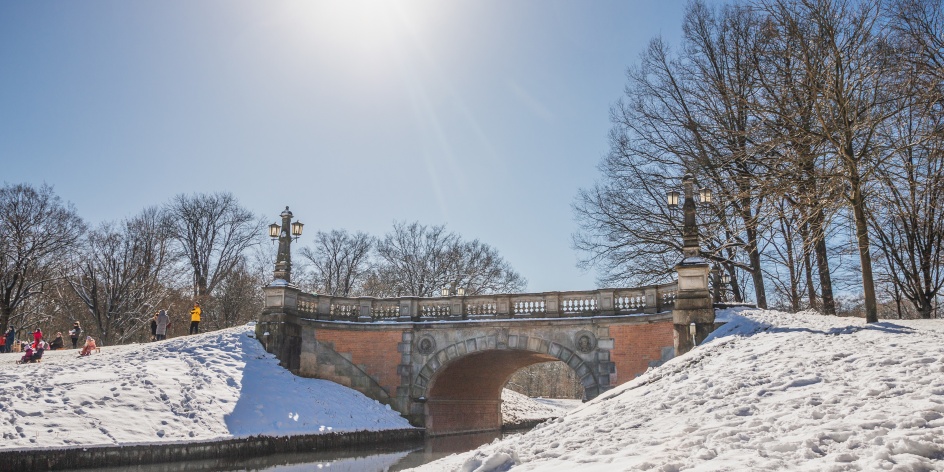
[(461, 384)]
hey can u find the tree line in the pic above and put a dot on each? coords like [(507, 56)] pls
[(113, 277), (818, 126)]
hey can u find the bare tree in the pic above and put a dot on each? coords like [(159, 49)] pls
[(420, 260), (239, 298), (681, 113), (845, 41), (120, 275), (212, 232), (908, 215), (341, 261), (37, 231)]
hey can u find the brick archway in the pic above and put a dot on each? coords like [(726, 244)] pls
[(464, 394)]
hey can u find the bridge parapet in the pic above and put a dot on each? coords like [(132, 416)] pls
[(604, 302)]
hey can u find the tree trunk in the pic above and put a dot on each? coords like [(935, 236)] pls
[(865, 257), (822, 262)]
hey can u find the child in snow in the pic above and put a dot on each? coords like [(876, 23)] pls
[(37, 335), (56, 343), (28, 354), (88, 347)]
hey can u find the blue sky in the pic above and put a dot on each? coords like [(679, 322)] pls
[(486, 116)]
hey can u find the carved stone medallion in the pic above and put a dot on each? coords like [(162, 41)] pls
[(585, 341), (426, 345)]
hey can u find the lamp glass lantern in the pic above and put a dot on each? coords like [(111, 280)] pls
[(274, 230), (460, 291), (297, 228), (445, 291), (725, 279), (705, 195), (673, 199)]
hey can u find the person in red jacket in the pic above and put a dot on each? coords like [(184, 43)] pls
[(37, 336)]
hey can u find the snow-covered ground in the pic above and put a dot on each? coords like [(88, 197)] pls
[(520, 409), (768, 391), (209, 386)]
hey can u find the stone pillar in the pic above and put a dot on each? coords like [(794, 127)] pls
[(692, 305), (693, 302), (278, 327)]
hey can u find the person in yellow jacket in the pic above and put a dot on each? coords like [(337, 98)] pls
[(195, 318)]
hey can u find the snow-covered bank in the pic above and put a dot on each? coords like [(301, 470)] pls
[(518, 409), (209, 386), (769, 391)]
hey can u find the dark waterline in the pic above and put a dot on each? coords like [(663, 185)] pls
[(382, 458)]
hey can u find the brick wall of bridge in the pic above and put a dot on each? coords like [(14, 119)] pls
[(637, 347), (375, 351)]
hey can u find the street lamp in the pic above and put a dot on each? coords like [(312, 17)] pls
[(285, 234), (446, 291), (705, 195), (725, 278), (673, 198), (297, 229)]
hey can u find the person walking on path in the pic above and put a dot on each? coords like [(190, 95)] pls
[(163, 322), (195, 318), (74, 334), (11, 336)]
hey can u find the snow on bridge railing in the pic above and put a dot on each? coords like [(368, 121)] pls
[(603, 302)]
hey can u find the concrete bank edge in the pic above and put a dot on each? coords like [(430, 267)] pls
[(235, 448)]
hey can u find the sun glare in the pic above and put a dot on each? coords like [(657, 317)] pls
[(357, 26)]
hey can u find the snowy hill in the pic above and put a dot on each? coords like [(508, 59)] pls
[(768, 391), (216, 385)]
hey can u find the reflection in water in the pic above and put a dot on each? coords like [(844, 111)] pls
[(381, 458)]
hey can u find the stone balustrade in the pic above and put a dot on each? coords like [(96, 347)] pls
[(603, 302)]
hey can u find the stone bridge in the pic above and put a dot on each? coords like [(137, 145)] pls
[(442, 362)]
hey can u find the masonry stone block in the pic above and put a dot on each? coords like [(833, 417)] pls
[(605, 344), (565, 355), (554, 349), (513, 341), (582, 370), (448, 354)]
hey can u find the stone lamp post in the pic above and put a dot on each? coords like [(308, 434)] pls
[(693, 314), (283, 260)]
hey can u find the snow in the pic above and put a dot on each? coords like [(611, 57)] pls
[(520, 409), (215, 385), (767, 391)]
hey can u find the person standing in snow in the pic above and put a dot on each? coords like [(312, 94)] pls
[(154, 327), (11, 336), (37, 337), (163, 322), (195, 318), (74, 334)]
